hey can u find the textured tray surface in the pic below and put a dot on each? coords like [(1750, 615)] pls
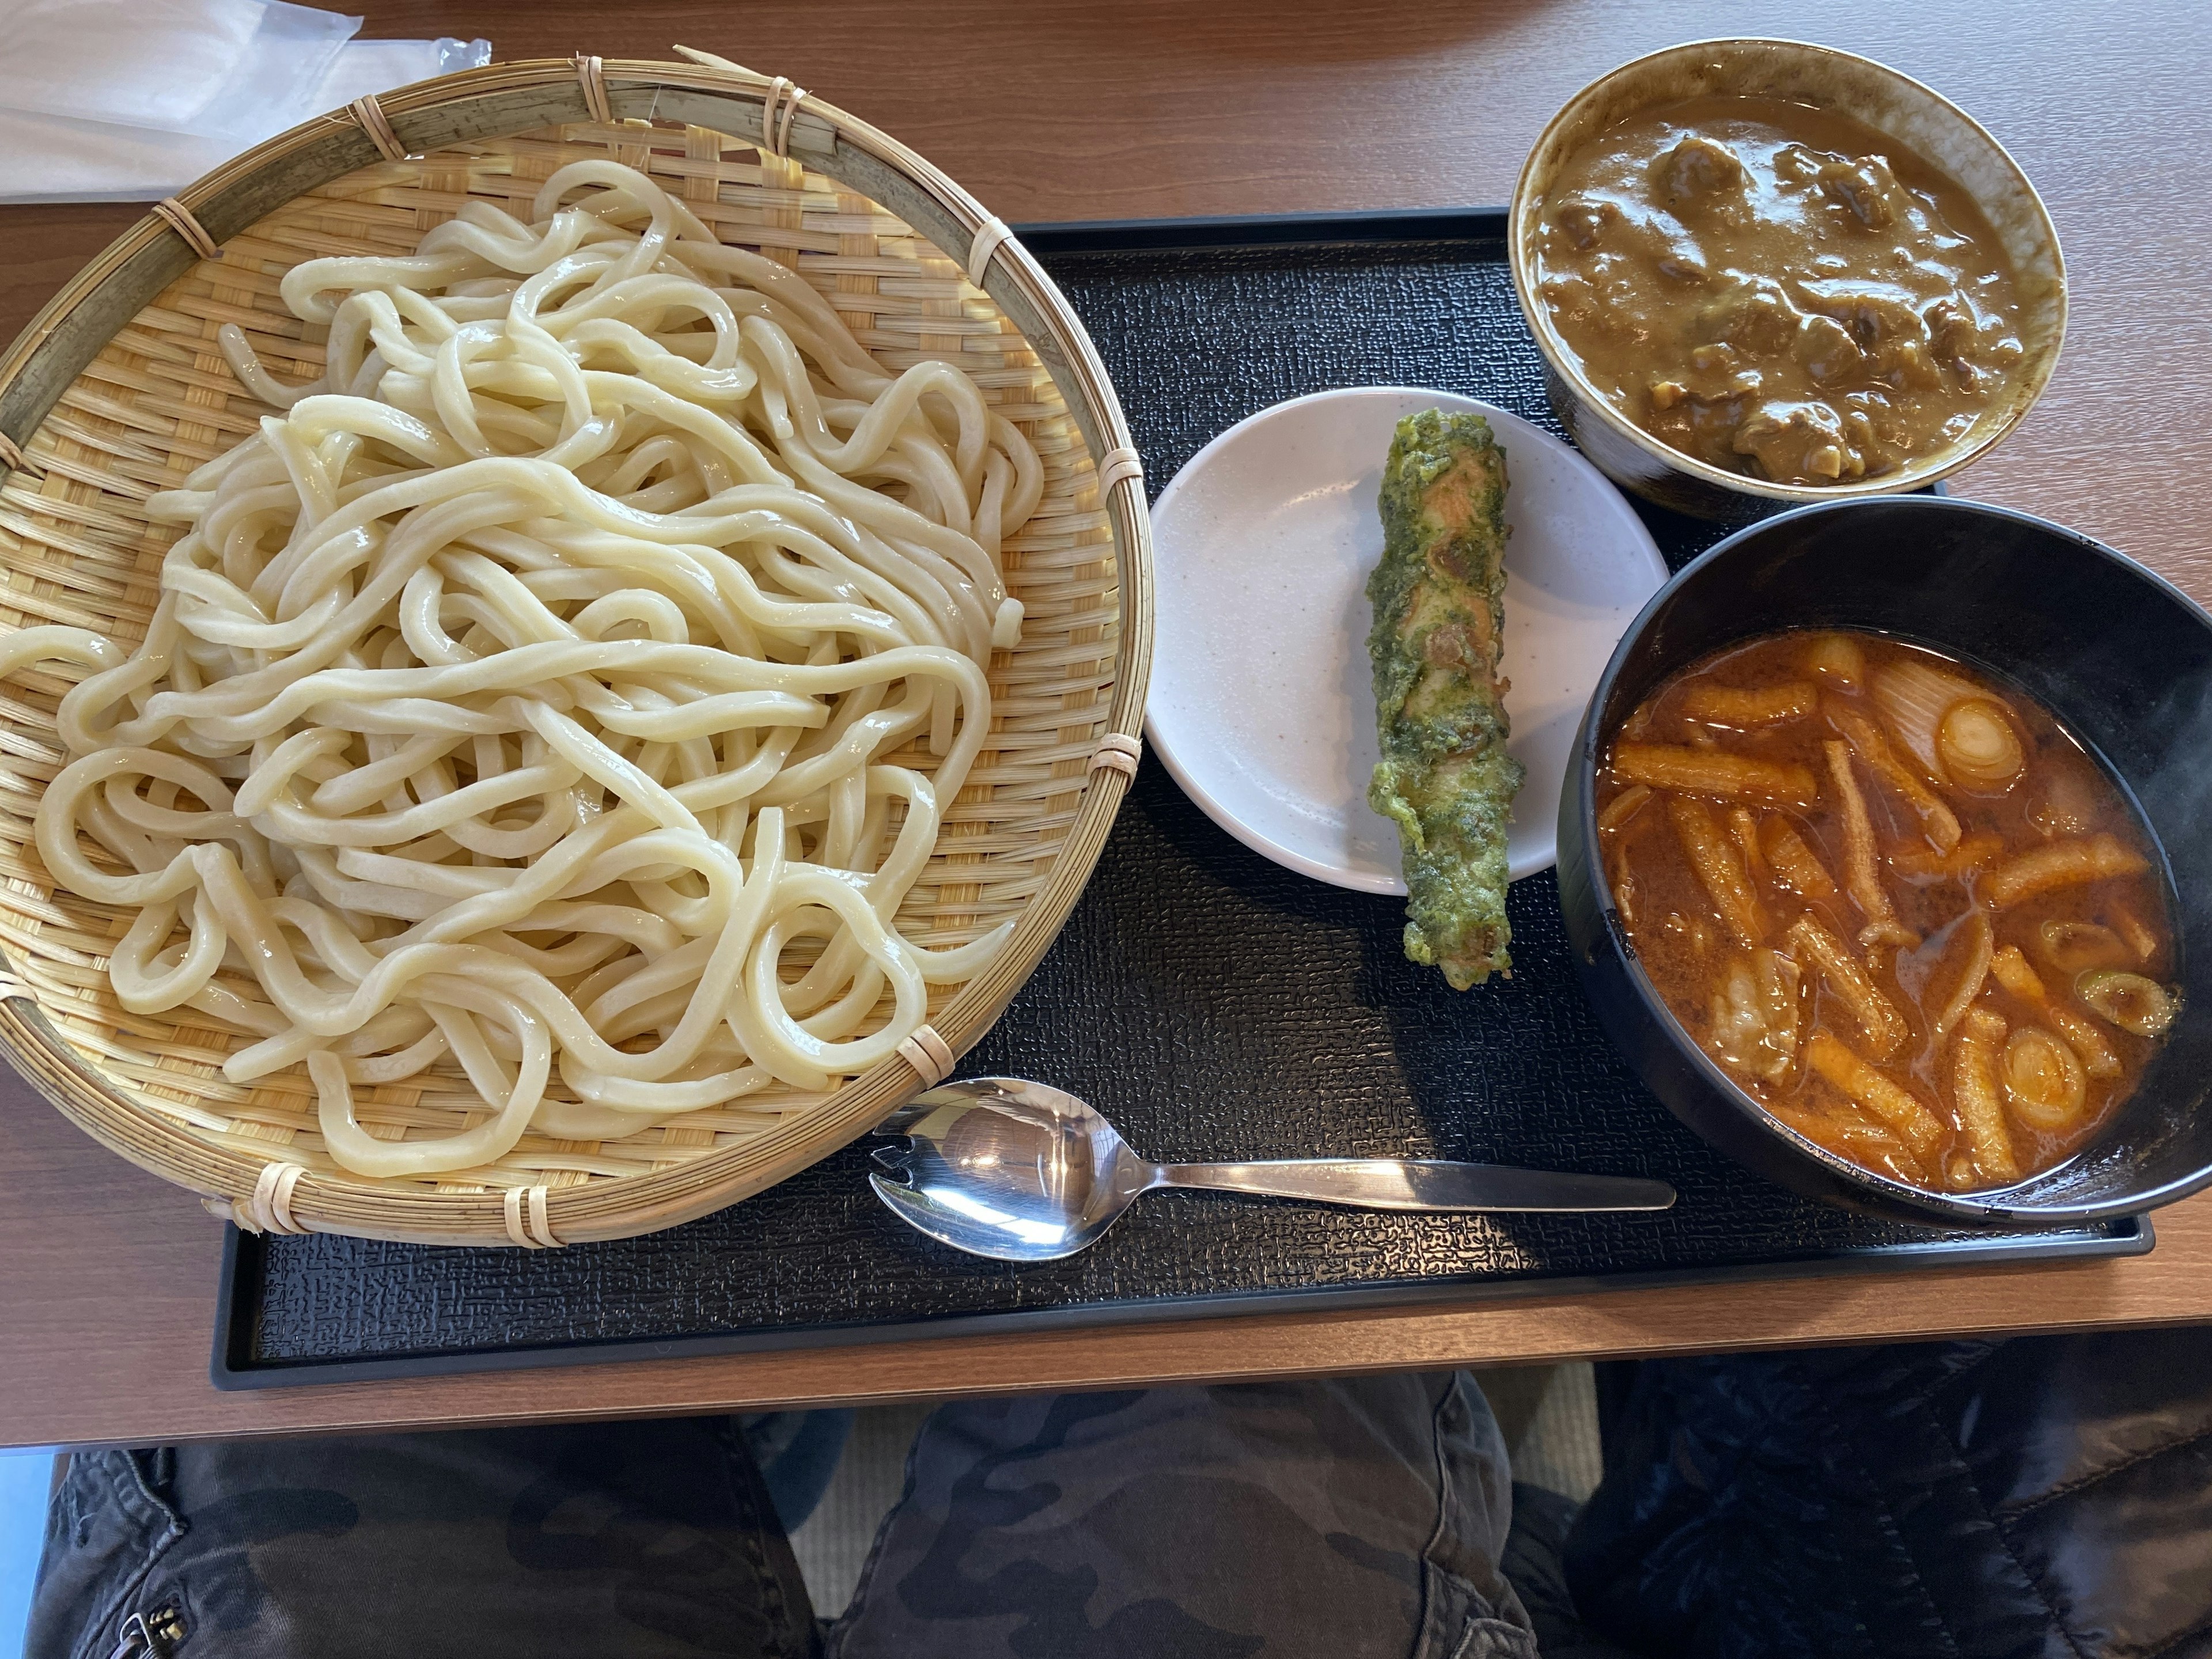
[(1212, 1005)]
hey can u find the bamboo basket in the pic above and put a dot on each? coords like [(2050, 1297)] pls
[(117, 389)]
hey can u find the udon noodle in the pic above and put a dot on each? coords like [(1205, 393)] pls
[(541, 692)]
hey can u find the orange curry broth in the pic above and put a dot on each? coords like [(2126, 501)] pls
[(1685, 948)]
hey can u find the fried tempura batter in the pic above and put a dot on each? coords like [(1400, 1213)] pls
[(1439, 701)]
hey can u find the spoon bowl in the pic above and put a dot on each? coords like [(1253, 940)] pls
[(1020, 1171)]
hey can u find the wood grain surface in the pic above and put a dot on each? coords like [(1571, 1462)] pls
[(1071, 109)]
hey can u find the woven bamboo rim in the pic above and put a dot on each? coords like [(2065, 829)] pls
[(117, 389)]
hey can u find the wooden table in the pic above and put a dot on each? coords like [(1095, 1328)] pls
[(1070, 109)]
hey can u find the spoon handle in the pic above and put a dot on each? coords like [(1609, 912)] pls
[(1386, 1183)]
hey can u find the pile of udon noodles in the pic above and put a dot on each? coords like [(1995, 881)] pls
[(523, 693)]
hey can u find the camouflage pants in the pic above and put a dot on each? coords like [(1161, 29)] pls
[(1334, 1518)]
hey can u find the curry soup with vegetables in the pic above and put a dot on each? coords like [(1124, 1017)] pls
[(1894, 901), (1776, 289)]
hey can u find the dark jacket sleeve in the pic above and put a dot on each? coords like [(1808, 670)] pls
[(2043, 1499)]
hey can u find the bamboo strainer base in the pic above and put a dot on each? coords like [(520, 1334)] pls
[(157, 399)]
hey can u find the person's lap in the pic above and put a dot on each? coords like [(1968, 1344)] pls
[(1337, 1518), (646, 1540), (1345, 1518)]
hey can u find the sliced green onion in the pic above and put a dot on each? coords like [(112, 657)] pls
[(1978, 747), (1914, 696), (2073, 947), (2043, 1079), (2128, 1000)]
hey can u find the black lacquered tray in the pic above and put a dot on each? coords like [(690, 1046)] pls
[(1212, 1005)]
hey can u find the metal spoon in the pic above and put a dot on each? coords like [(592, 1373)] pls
[(1002, 1167)]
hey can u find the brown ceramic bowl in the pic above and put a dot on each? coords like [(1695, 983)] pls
[(1921, 121)]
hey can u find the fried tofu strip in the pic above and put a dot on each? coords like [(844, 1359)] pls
[(1861, 878), (1719, 868), (1885, 1028), (1968, 856), (1856, 1141), (2083, 1038), (1624, 887), (1755, 1015), (1743, 706), (2010, 969), (1893, 1103), (1974, 1087), (1743, 824), (1618, 811), (1937, 821), (1794, 865), (1837, 659), (2062, 863), (1973, 973), (1714, 772), (1623, 806), (2130, 927)]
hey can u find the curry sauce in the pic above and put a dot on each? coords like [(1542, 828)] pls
[(1776, 289), (1893, 900)]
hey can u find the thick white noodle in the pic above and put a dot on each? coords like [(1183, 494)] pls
[(520, 699)]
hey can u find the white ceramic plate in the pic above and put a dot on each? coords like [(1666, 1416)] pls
[(1261, 704)]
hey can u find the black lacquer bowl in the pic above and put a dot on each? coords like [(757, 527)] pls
[(2122, 658)]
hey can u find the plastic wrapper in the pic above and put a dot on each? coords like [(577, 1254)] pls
[(199, 67), (50, 158)]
